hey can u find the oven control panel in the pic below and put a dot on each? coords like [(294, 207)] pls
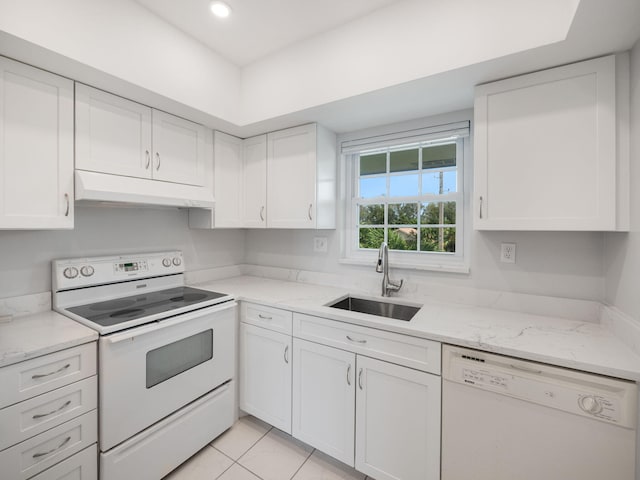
[(85, 272)]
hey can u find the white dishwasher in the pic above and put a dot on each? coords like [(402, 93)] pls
[(509, 419)]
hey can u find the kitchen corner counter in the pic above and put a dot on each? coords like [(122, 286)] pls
[(585, 346), (38, 334)]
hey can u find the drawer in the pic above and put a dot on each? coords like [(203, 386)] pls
[(81, 466), (36, 376), (418, 353), (25, 419), (35, 455), (271, 318)]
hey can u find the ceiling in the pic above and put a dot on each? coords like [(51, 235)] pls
[(257, 28)]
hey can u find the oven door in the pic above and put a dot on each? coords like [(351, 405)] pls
[(149, 372)]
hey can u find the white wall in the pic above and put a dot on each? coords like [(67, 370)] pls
[(560, 264), (622, 260), (402, 42), (25, 256), (124, 40)]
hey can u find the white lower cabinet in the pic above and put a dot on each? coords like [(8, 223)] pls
[(397, 422), (367, 397), (324, 380), (265, 375)]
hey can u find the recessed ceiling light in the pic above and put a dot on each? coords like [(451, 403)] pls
[(220, 9)]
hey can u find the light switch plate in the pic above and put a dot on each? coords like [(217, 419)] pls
[(320, 244)]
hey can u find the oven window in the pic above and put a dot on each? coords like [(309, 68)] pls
[(177, 357)]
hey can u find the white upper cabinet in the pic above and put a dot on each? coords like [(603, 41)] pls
[(227, 176), (301, 172), (120, 137), (113, 135), (178, 149), (36, 148), (551, 149), (254, 199)]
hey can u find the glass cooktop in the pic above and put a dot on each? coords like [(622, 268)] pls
[(119, 310)]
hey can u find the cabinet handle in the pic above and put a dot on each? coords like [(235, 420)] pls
[(286, 354), (349, 375), (158, 158), (481, 206), (354, 340), (262, 213), (66, 197), (310, 206), (264, 317), (42, 375), (42, 415), (360, 379), (44, 454), (146, 152)]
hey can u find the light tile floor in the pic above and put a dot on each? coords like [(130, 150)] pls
[(253, 450)]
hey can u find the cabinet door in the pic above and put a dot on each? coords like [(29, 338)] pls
[(36, 148), (291, 177), (397, 422), (254, 209), (113, 135), (179, 153), (265, 375), (324, 398), (227, 179), (545, 150)]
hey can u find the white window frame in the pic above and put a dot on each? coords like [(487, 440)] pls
[(458, 132)]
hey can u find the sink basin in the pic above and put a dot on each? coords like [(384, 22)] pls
[(397, 311)]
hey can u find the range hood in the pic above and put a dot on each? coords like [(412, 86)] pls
[(103, 187)]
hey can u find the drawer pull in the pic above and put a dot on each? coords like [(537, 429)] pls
[(42, 415), (264, 317), (360, 379), (355, 340), (44, 454), (42, 375)]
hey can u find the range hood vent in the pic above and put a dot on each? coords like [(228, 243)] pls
[(103, 187)]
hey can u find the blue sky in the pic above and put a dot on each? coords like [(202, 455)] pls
[(406, 185)]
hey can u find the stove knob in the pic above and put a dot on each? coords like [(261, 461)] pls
[(590, 404), (87, 271), (70, 272), (177, 261), (166, 262)]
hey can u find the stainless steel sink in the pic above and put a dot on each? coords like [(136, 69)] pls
[(397, 311)]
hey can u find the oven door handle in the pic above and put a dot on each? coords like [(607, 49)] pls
[(162, 324)]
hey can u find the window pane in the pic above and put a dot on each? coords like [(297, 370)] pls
[(371, 164), (438, 239), (403, 214), (438, 182), (373, 187), (438, 213), (404, 160), (403, 238), (370, 237), (403, 185), (439, 156), (372, 214)]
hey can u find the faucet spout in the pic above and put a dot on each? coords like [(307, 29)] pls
[(382, 266)]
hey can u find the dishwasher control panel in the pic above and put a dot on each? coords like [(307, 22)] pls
[(598, 397)]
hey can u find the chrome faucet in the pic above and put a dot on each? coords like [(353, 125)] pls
[(382, 266)]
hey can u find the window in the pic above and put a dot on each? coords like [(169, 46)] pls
[(410, 195)]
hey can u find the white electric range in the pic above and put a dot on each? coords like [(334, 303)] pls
[(166, 358)]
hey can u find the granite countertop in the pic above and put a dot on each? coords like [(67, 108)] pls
[(585, 346), (29, 336)]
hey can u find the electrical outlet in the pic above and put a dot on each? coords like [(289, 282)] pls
[(508, 253), (320, 244)]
